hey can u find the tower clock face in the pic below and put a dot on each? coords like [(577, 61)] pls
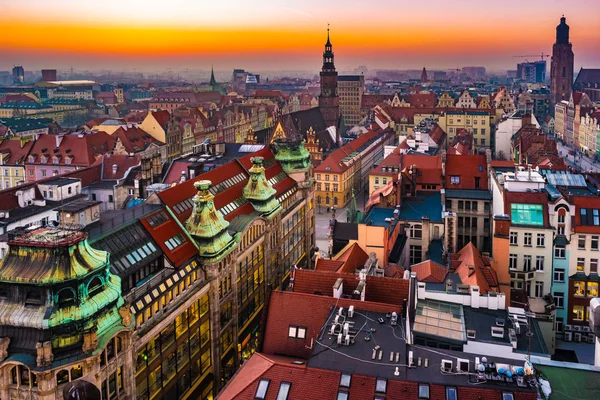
[(326, 91)]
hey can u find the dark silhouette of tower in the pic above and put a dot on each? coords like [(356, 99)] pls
[(561, 68), (329, 101), (424, 76)]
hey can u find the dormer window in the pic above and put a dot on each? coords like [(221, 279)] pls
[(68, 160), (31, 159), (43, 160), (55, 160), (33, 298), (94, 287), (66, 297)]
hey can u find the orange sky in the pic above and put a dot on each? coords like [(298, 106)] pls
[(67, 34)]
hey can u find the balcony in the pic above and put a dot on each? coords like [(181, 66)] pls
[(522, 276)]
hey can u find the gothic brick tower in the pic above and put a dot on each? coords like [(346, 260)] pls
[(329, 101), (561, 68)]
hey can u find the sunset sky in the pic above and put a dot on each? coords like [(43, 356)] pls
[(285, 34)]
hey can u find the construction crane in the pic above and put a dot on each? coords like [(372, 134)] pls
[(541, 55)]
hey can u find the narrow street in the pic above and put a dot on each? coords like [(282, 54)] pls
[(579, 161), (322, 222)]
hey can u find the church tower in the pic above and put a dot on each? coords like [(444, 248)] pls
[(561, 68), (329, 101)]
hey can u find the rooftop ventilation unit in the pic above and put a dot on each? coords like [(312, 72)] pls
[(394, 319), (351, 312)]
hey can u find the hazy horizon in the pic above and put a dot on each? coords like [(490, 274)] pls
[(153, 35)]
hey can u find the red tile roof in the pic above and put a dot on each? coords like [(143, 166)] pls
[(324, 264), (468, 167), (310, 311), (430, 271), (334, 162), (122, 162), (378, 289), (163, 232), (14, 151), (422, 100), (185, 190), (394, 271), (316, 383), (353, 258), (474, 269), (162, 117), (83, 149), (134, 139)]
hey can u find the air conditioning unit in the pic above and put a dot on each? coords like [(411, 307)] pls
[(585, 329), (577, 328), (568, 328), (591, 338), (568, 336), (577, 337)]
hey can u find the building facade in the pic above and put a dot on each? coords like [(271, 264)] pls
[(351, 89)]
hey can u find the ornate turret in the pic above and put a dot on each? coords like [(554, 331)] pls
[(293, 157), (259, 191), (58, 293), (207, 226)]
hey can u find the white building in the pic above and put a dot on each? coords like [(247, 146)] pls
[(505, 131)]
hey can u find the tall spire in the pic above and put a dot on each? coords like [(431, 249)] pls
[(328, 55), (213, 81)]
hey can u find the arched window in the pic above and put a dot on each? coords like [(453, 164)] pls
[(95, 286), (62, 377), (76, 372), (416, 231), (66, 297)]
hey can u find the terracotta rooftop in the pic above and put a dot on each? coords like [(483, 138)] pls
[(474, 269), (378, 289), (430, 271)]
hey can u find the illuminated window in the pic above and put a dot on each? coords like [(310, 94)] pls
[(578, 313), (579, 288), (580, 263), (592, 289)]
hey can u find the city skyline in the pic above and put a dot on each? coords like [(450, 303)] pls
[(154, 35)]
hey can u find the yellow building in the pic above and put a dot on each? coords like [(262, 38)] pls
[(478, 122), (348, 168), (445, 100), (13, 153)]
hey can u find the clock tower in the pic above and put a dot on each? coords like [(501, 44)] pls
[(329, 101)]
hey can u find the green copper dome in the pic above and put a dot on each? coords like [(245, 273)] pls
[(259, 191), (292, 156), (206, 225)]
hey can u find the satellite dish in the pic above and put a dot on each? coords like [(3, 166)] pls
[(81, 390)]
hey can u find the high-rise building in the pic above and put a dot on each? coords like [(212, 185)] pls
[(561, 68), (18, 73), (329, 101), (351, 89), (532, 72), (48, 75)]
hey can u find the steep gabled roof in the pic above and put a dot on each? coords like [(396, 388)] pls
[(474, 269)]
